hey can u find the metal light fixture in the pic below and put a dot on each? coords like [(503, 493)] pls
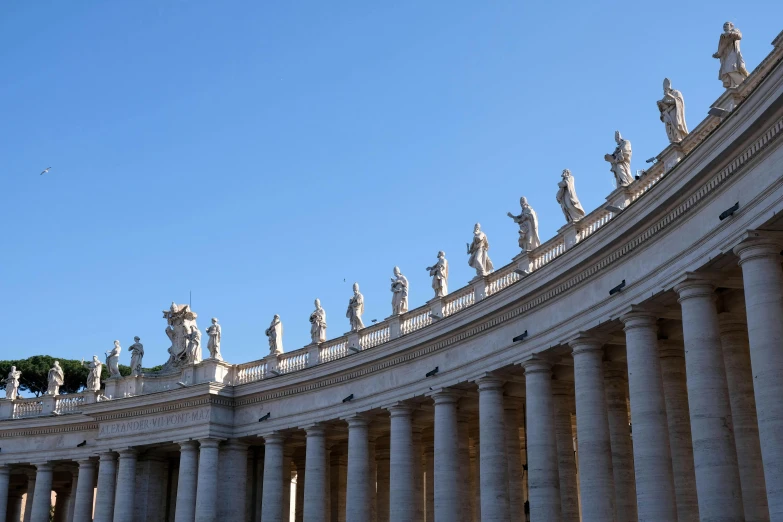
[(729, 211), (520, 337), (349, 398), (82, 444), (431, 372), (265, 417), (617, 288)]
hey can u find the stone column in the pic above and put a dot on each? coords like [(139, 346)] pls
[(615, 376), (287, 481), (446, 469), (763, 279), (339, 472), (72, 495), (516, 503), (373, 480), (739, 377), (151, 489), (29, 497), (316, 474), (206, 490), (62, 501), (493, 465), (542, 464), (186, 482), (85, 491), (592, 427), (672, 356), (233, 497), (401, 489), (382, 496), (126, 475), (273, 495), (714, 455), (566, 461), (357, 496), (5, 479), (655, 498), (429, 483), (14, 507), (42, 500), (418, 473), (466, 493), (107, 486), (475, 479)]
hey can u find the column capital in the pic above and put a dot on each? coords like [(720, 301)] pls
[(315, 430), (400, 409), (127, 453), (210, 442), (86, 463), (732, 322), (490, 382), (5, 470), (537, 365), (187, 445), (639, 318), (107, 456), (692, 285), (759, 244), (445, 396), (584, 343), (43, 466), (274, 438), (236, 445), (357, 420), (670, 348)]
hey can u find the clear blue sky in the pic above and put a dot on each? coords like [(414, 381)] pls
[(263, 154)]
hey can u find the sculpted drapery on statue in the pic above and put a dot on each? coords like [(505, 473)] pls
[(672, 108), (440, 275), (194, 345), (179, 322), (528, 226), (94, 377), (113, 360), (479, 252), (399, 288), (137, 353), (566, 196), (12, 383), (355, 309), (213, 345), (56, 378), (275, 335), (732, 66), (620, 160), (318, 323)]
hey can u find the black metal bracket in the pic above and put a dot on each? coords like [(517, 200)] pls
[(520, 337), (265, 417), (729, 211), (431, 372), (617, 288), (349, 398)]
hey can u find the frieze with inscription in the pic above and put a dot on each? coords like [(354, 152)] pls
[(154, 424)]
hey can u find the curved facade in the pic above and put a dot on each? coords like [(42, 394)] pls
[(630, 368)]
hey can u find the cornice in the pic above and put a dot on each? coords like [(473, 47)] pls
[(47, 430), (165, 407)]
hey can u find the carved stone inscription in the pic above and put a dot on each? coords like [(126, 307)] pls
[(154, 424)]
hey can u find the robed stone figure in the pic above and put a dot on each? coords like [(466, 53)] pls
[(355, 309), (479, 252), (213, 345), (732, 66), (56, 378), (318, 324), (566, 196), (275, 335), (113, 360), (94, 377), (620, 160), (528, 226), (12, 383), (440, 275), (137, 354), (399, 288), (672, 108)]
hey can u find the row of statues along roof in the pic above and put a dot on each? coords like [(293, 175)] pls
[(181, 320)]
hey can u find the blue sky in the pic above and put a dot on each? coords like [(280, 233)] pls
[(264, 154)]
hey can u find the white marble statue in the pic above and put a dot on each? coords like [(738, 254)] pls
[(478, 251), (213, 345), (56, 378), (318, 324), (12, 384), (137, 354), (528, 226), (355, 309), (620, 160), (672, 108), (94, 377), (194, 345), (399, 288), (275, 334), (732, 67), (566, 196), (440, 275), (113, 360), (179, 322)]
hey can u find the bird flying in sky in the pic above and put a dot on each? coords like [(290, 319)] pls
[(45, 170)]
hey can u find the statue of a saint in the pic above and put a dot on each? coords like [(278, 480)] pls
[(113, 360), (275, 334), (355, 309), (180, 320), (12, 384), (732, 66), (137, 353), (528, 226), (621, 161), (478, 251), (194, 345), (56, 379), (399, 288), (672, 108), (213, 345), (94, 377), (440, 275), (566, 196), (318, 324)]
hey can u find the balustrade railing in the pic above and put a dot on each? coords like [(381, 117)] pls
[(70, 403), (415, 320), (293, 361), (27, 408), (593, 221), (334, 349), (250, 372), (502, 278), (374, 335), (647, 181), (548, 251), (457, 301)]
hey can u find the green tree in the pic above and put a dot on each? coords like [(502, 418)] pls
[(35, 374)]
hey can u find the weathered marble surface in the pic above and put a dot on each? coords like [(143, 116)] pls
[(113, 360), (399, 289), (137, 354), (179, 322), (55, 379), (355, 309), (478, 251), (672, 109), (94, 377), (732, 66), (620, 160), (275, 335), (566, 196), (12, 383), (213, 345), (440, 275), (528, 226), (318, 323)]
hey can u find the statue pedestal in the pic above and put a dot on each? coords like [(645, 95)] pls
[(619, 198), (671, 156), (524, 266), (353, 342), (91, 397), (570, 234), (729, 100), (113, 388), (479, 284), (47, 404), (313, 354), (272, 364), (395, 326), (436, 308), (6, 408), (213, 370)]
